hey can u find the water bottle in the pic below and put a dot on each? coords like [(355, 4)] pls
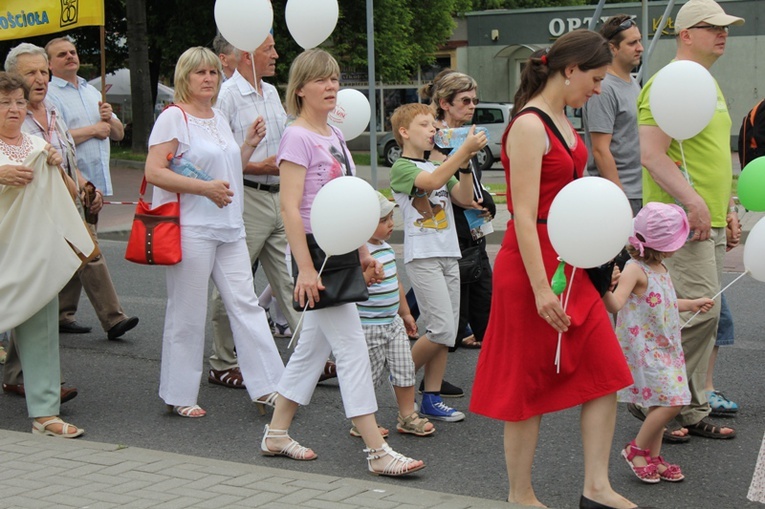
[(187, 169), (454, 137)]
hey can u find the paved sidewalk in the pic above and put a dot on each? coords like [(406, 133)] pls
[(44, 472)]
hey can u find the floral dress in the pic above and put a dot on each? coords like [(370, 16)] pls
[(648, 328)]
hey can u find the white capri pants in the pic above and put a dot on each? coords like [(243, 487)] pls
[(337, 330), (228, 263)]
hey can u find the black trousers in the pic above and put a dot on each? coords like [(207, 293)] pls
[(475, 298)]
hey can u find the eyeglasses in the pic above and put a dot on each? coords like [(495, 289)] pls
[(467, 100), (624, 25), (712, 28), (7, 105)]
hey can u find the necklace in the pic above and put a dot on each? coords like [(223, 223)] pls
[(17, 153), (566, 133), (322, 132)]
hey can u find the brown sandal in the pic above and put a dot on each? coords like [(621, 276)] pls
[(706, 429), (470, 342), (330, 371), (226, 377), (413, 424)]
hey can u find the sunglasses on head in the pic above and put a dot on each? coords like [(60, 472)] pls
[(624, 25), (467, 100)]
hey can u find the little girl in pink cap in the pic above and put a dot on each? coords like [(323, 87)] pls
[(648, 328)]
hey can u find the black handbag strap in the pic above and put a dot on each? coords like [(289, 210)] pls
[(345, 151)]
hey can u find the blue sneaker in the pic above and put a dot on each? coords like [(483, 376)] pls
[(721, 406), (433, 407)]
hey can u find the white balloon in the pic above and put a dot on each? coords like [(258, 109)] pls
[(344, 215), (351, 113), (244, 23), (683, 99), (589, 222), (754, 251), (310, 22)]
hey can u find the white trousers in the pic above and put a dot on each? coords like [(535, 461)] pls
[(228, 263), (337, 330)]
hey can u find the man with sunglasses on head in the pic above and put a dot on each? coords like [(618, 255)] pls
[(701, 27), (610, 119)]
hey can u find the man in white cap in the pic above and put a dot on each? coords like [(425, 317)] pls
[(702, 32)]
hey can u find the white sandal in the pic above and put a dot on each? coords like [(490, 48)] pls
[(267, 400), (187, 411), (398, 464), (292, 450), (41, 428)]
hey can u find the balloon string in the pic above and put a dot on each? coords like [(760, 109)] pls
[(302, 314), (716, 295), (254, 73), (685, 166), (565, 305)]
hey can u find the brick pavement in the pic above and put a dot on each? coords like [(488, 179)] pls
[(43, 472)]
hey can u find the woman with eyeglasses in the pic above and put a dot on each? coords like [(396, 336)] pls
[(454, 97), (517, 380)]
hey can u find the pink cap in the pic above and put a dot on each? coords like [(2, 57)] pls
[(660, 226)]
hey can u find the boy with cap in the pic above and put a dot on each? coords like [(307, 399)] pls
[(387, 322), (648, 328)]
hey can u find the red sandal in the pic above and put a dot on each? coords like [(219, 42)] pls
[(671, 473), (650, 472)]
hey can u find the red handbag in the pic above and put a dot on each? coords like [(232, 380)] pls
[(155, 238)]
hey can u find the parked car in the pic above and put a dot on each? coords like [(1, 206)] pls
[(493, 116)]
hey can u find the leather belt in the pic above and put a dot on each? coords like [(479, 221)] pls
[(273, 188)]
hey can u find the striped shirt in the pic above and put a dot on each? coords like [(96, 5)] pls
[(382, 306), (241, 104)]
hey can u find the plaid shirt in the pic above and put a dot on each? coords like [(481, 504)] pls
[(241, 104), (79, 108)]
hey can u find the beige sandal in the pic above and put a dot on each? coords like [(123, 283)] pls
[(384, 432), (413, 424), (187, 411), (269, 400), (292, 450), (398, 464), (41, 428)]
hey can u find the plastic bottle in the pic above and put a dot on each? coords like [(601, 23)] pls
[(187, 169), (454, 137)]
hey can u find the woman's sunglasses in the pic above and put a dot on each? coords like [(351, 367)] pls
[(467, 100)]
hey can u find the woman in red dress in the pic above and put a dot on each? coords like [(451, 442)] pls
[(516, 378)]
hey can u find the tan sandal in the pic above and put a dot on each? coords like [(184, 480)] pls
[(41, 428), (398, 464), (292, 450), (413, 424)]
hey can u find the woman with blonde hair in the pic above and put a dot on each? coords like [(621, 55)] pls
[(212, 238), (310, 155)]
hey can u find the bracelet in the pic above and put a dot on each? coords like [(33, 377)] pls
[(464, 171), (732, 209)]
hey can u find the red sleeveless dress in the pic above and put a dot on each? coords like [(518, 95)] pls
[(516, 375)]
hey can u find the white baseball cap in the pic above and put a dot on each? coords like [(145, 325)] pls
[(709, 11)]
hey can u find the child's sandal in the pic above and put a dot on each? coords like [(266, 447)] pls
[(671, 473), (413, 424), (650, 472)]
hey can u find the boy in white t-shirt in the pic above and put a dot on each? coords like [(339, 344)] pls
[(387, 322), (424, 192)]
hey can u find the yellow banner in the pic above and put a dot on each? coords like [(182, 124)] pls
[(20, 19)]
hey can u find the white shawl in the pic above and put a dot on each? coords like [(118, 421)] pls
[(36, 221)]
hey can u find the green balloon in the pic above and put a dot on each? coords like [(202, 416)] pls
[(558, 281), (751, 185)]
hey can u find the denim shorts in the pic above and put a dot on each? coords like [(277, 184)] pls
[(725, 331)]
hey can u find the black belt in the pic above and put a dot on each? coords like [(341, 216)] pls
[(273, 188)]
